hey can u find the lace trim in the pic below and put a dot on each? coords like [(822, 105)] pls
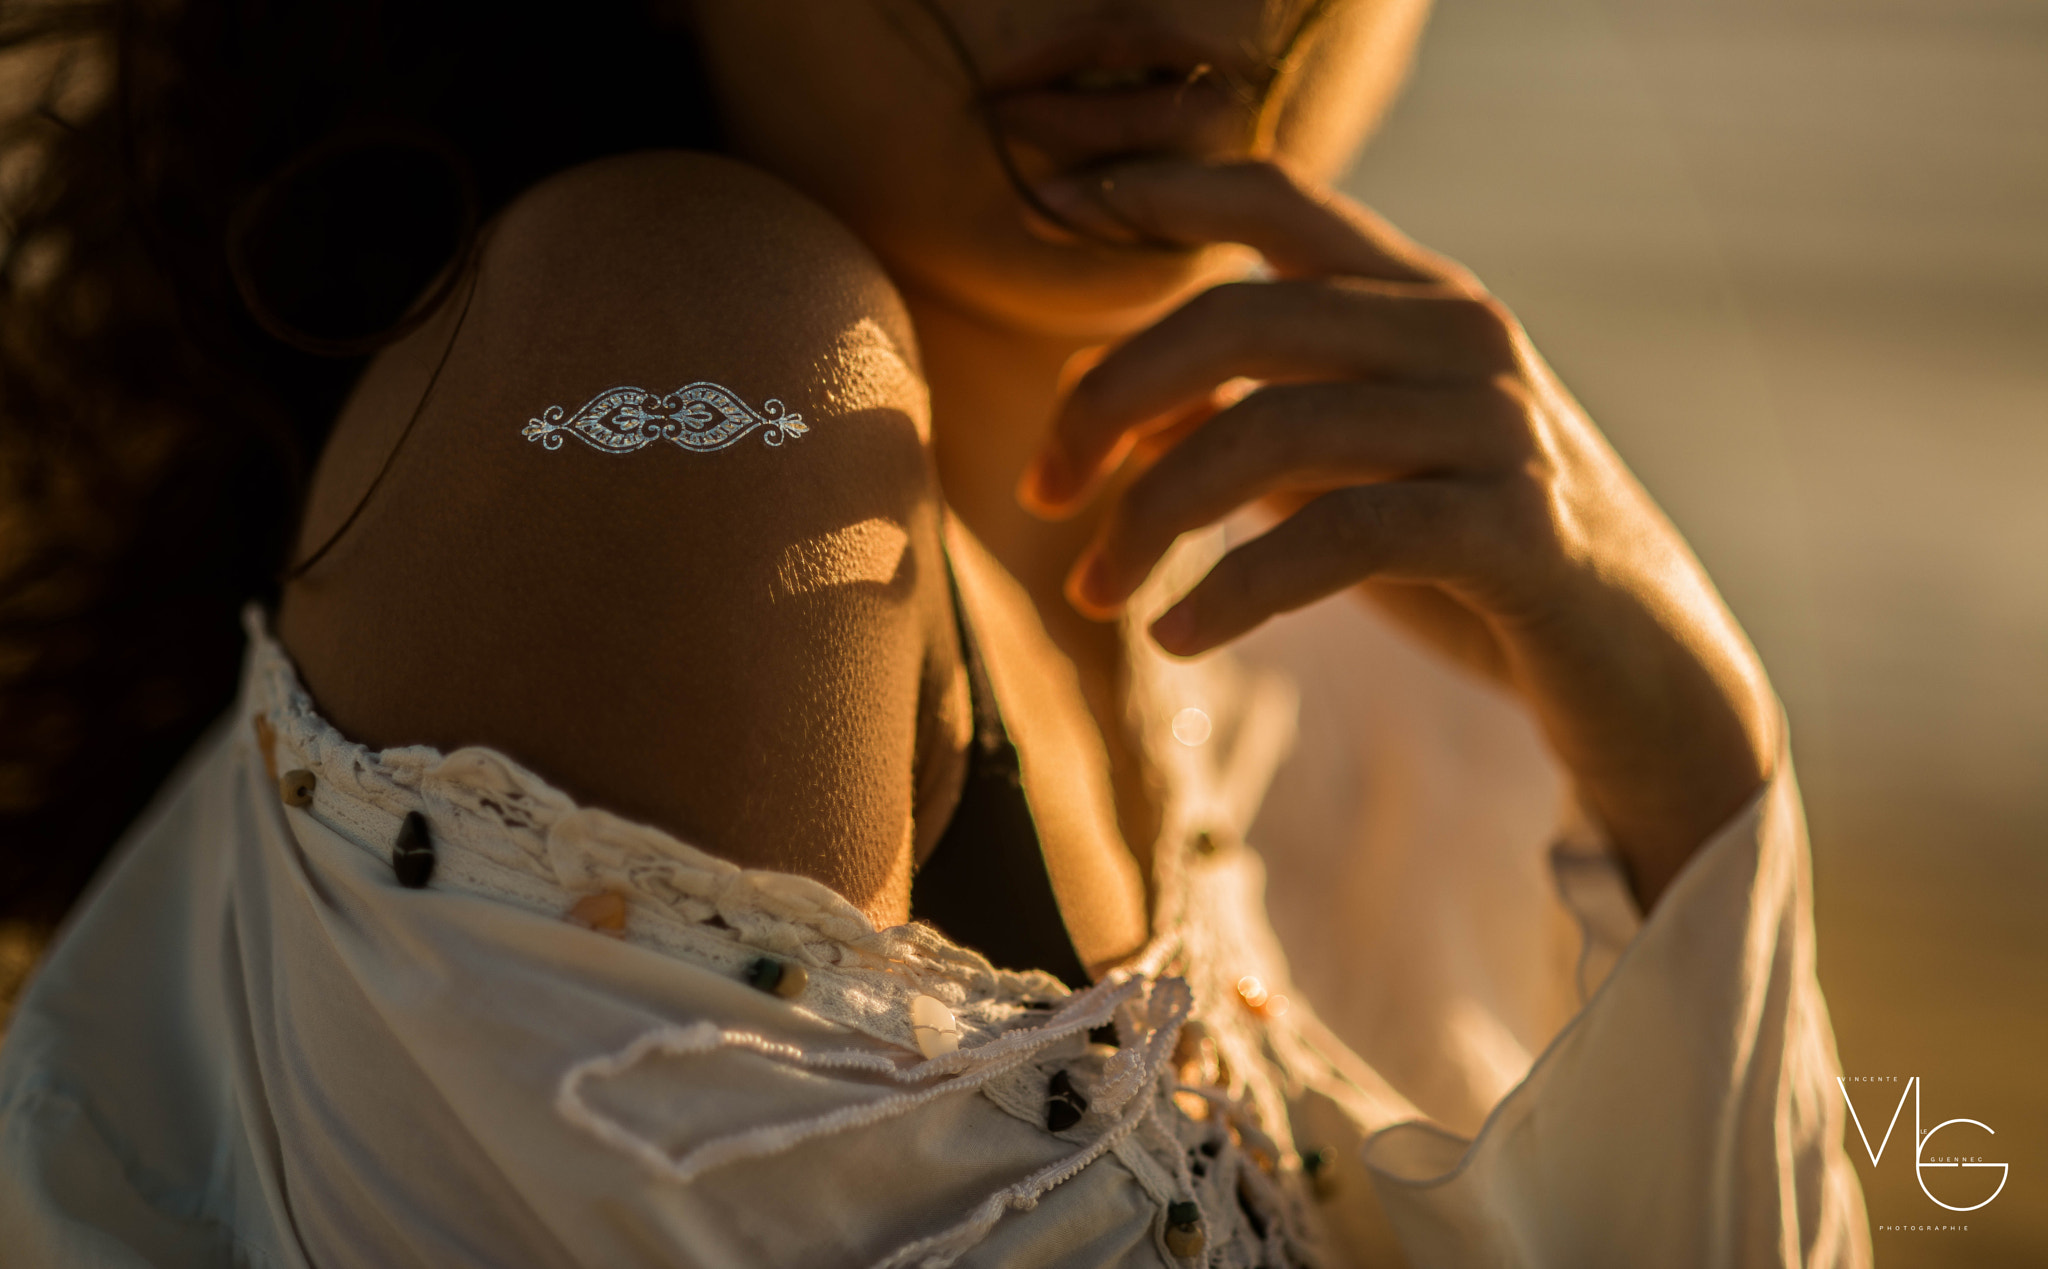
[(501, 830)]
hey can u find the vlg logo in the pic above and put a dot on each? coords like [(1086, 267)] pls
[(1920, 1161)]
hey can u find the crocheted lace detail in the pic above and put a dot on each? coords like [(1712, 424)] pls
[(501, 830)]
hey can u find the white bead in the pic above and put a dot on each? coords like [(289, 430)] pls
[(1191, 726), (933, 1025)]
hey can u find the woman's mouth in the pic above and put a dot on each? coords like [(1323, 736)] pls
[(1097, 79), (1098, 94)]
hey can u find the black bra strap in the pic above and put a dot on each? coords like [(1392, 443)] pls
[(985, 884), (991, 738)]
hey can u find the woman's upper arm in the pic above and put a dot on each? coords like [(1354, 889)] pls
[(729, 643)]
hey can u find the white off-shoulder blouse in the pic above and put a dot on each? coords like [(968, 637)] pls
[(1423, 1023)]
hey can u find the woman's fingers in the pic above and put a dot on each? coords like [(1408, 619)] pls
[(1301, 230), (1309, 437), (1557, 569), (1332, 329), (1410, 530)]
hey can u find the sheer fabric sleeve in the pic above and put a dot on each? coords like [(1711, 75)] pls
[(1587, 1087), (1688, 1113)]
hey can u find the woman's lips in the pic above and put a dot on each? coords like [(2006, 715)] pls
[(1074, 126), (1101, 92)]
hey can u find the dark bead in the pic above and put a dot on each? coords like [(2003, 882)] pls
[(1061, 1115), (763, 973), (1064, 1104), (777, 978), (1184, 1236), (412, 855), (794, 979), (296, 787), (1320, 1165)]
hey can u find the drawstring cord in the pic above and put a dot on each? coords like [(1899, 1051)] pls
[(1135, 1065), (1166, 1011), (975, 1067)]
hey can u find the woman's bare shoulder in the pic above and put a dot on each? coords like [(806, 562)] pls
[(665, 527)]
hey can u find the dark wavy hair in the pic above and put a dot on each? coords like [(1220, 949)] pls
[(211, 212)]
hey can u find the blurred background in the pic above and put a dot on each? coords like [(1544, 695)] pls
[(1793, 256)]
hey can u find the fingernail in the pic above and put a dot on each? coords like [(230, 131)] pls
[(1067, 195), (1176, 630), (1049, 481), (1094, 584), (1078, 201), (1039, 226)]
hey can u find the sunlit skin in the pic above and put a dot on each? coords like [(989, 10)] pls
[(1424, 456), (717, 647)]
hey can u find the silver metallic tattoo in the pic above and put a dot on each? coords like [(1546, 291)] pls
[(700, 416)]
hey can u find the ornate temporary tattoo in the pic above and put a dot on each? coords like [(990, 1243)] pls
[(700, 416)]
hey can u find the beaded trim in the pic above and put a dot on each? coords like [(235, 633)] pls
[(502, 831)]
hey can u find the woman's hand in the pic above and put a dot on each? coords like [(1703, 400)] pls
[(1419, 449)]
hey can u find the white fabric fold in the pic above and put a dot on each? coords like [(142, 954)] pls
[(250, 1046), (1683, 1116)]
